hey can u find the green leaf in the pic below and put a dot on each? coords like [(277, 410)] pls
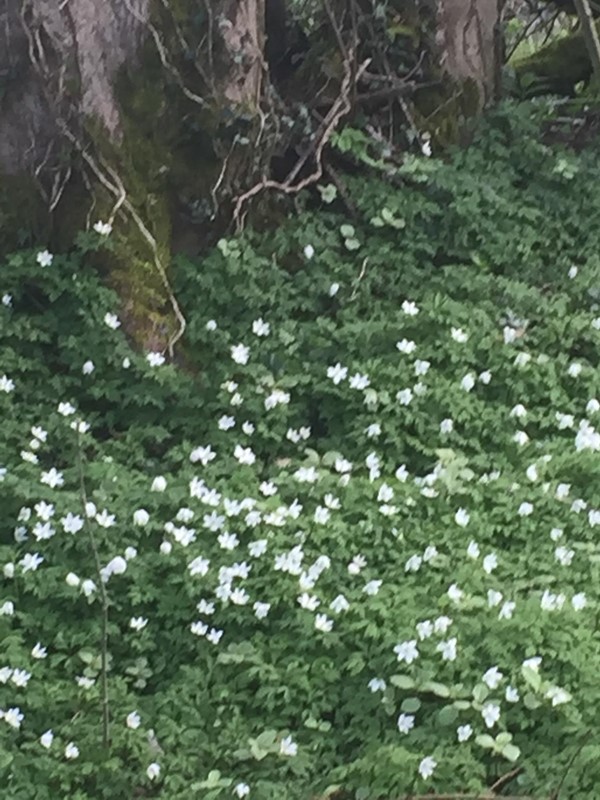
[(410, 705), (485, 740), (439, 689), (402, 681), (511, 752)]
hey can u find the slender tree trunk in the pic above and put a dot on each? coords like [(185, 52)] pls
[(468, 32)]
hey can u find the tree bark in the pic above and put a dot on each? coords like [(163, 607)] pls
[(468, 32)]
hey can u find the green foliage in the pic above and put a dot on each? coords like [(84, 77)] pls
[(462, 470)]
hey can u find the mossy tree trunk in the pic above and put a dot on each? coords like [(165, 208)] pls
[(164, 112)]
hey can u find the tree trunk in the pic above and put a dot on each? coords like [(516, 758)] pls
[(468, 36)]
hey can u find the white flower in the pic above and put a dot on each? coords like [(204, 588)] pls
[(468, 382), (579, 601), (155, 359), (430, 553), (7, 609), (421, 367), (323, 623), (153, 771), (557, 695), (104, 519), (103, 228), (199, 628), (473, 549), (159, 484), (358, 563), (509, 334), (410, 308), (141, 517), (491, 714), (413, 564), (203, 454), (88, 367), (507, 610), (20, 678), (377, 685), (464, 733), (44, 258), (462, 517), (241, 790), (407, 651), (52, 478), (455, 594), (427, 767), (309, 251), (126, 363), (492, 677), (593, 406), (333, 289), (521, 438), (459, 335), (447, 649), (564, 421), (511, 694), (13, 717), (372, 587), (71, 751), (244, 455), (257, 548), (441, 624), (490, 562), (133, 720), (424, 629), (406, 722), (406, 346), (6, 384), (287, 747), (404, 397), (358, 381), (564, 556), (522, 359), (485, 377), (337, 373), (38, 651), (72, 579), (46, 739), (261, 609), (138, 623), (277, 397), (587, 437), (519, 411), (260, 327), (574, 370), (240, 353), (85, 683), (88, 587), (446, 426), (30, 562), (373, 431), (248, 428), (7, 300), (199, 566), (562, 491), (533, 663), (525, 509), (112, 321)]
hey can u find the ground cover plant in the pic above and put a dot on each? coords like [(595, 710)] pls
[(352, 548)]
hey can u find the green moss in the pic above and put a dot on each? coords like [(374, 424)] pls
[(556, 68)]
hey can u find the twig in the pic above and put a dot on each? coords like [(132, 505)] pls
[(359, 279), (338, 110), (504, 780), (103, 599)]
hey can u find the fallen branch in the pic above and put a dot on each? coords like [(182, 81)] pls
[(338, 110)]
